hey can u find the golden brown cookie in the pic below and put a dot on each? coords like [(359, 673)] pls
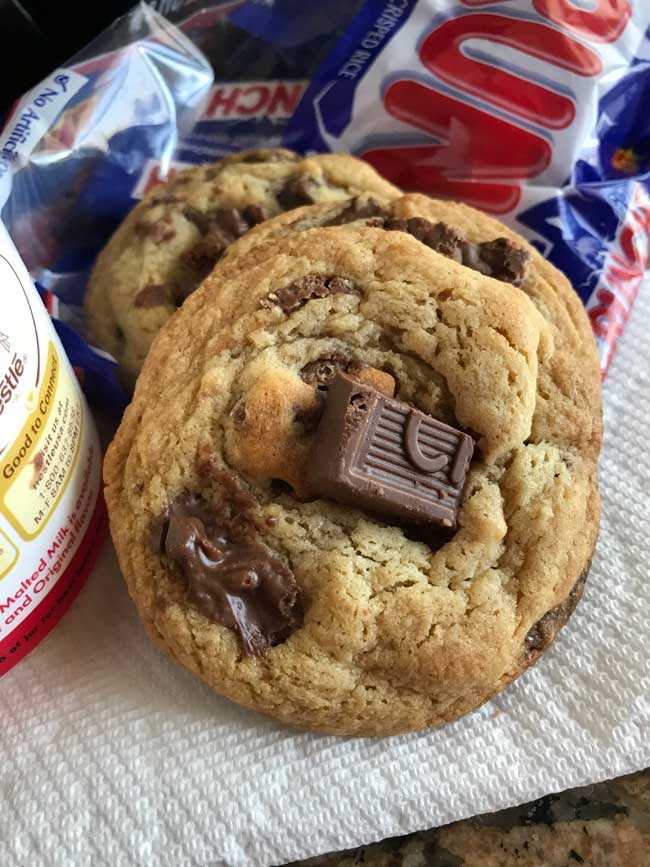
[(173, 238), (335, 617)]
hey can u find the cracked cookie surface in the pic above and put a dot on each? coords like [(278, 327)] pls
[(399, 628), (173, 238)]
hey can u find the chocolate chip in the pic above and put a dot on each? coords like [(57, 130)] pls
[(299, 292), (438, 236), (254, 214), (220, 227), (298, 191), (231, 580), (205, 254), (321, 371), (359, 208), (542, 633), (199, 218), (153, 295), (500, 259), (231, 221)]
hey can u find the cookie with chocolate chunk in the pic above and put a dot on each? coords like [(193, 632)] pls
[(356, 489), (462, 233), (173, 238)]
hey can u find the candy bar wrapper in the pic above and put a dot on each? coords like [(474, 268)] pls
[(151, 95), (530, 109)]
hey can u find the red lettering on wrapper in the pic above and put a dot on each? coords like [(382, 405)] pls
[(274, 99), (442, 54), (250, 107), (285, 98), (610, 305), (605, 23), (222, 101), (475, 146)]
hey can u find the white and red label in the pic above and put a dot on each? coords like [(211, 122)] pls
[(52, 513)]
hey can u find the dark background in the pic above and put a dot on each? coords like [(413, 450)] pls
[(39, 35)]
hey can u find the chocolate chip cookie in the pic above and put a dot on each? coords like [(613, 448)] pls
[(471, 238), (173, 238), (356, 489)]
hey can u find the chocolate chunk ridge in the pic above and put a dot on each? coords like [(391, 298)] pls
[(499, 258), (299, 292), (438, 236), (231, 580), (359, 208), (297, 191), (382, 455), (219, 228)]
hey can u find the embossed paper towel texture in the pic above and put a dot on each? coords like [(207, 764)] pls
[(113, 756)]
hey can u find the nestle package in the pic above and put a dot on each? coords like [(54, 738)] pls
[(52, 512)]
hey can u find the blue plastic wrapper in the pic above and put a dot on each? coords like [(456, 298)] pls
[(530, 109)]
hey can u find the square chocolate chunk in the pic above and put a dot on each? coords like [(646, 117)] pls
[(384, 456)]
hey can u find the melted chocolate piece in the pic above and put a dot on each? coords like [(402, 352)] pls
[(542, 633), (231, 580), (254, 214), (500, 258), (297, 192), (299, 292), (359, 208), (379, 454), (153, 295), (231, 222), (220, 227), (200, 219), (203, 256), (438, 236)]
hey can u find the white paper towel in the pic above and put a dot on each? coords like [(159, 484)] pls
[(113, 756)]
